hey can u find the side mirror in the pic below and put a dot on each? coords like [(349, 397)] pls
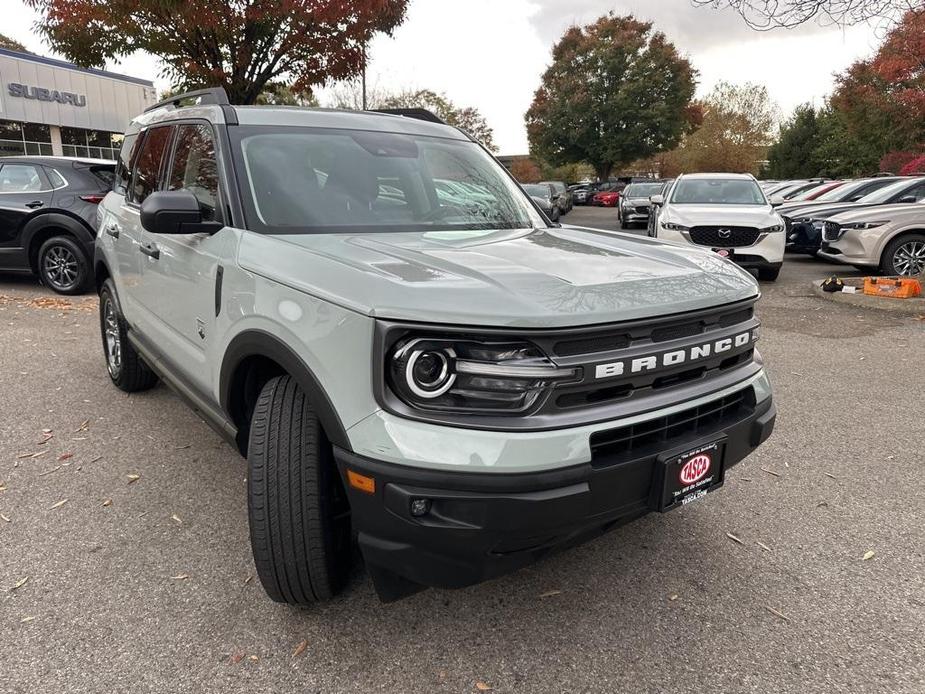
[(657, 199), (907, 198), (777, 200), (174, 212)]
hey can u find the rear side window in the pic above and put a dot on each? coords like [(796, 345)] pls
[(20, 178), (147, 165), (57, 180), (124, 164), (194, 167), (104, 174)]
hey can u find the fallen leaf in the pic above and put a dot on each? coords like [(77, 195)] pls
[(99, 457), (180, 577), (48, 472), (65, 456), (822, 503), (5, 518), (236, 658), (133, 478), (763, 546), (550, 593), (300, 648), (46, 431), (869, 554), (58, 505), (482, 687), (745, 479), (107, 502), (83, 426), (176, 518), (248, 579), (770, 472), (829, 474), (24, 620), (673, 597), (181, 448), (254, 658), (20, 584), (734, 538), (776, 613)]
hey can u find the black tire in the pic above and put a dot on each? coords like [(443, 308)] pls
[(904, 256), (126, 368), (298, 511), (768, 274), (63, 266)]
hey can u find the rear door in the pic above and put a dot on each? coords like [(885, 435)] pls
[(24, 192)]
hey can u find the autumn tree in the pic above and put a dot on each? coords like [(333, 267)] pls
[(775, 14), (794, 155), (11, 44), (616, 91), (241, 45), (526, 171), (466, 118), (735, 134)]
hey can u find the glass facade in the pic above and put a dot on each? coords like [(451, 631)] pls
[(77, 142), (24, 138)]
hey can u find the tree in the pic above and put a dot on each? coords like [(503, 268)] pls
[(775, 14), (11, 44), (916, 167), (526, 171), (735, 134), (895, 162), (616, 91), (794, 154), (465, 118), (241, 45)]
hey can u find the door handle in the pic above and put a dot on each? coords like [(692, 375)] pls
[(113, 230), (34, 204), (151, 250)]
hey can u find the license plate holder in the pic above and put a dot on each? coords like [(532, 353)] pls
[(727, 253), (684, 476)]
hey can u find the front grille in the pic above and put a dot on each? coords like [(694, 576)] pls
[(656, 435), (642, 209), (831, 231), (724, 236)]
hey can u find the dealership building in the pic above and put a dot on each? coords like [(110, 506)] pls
[(49, 106)]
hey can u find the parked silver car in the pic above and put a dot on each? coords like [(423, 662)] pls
[(889, 238)]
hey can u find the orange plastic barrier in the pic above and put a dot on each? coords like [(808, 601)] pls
[(903, 288)]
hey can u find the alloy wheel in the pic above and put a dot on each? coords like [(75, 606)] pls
[(113, 339), (60, 267), (909, 258)]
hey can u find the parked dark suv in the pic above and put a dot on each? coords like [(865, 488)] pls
[(48, 217)]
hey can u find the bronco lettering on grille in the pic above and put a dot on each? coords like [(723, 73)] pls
[(674, 358)]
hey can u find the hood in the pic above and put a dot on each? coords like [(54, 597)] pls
[(525, 278), (821, 210), (871, 213), (731, 215), (635, 202)]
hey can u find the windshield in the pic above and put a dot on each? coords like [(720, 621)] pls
[(537, 190), (717, 191), (839, 193), (642, 190), (323, 180), (884, 194)]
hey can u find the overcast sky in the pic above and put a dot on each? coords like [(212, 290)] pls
[(491, 53)]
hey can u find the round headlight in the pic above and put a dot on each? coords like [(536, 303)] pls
[(429, 373)]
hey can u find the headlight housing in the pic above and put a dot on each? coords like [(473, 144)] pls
[(774, 228), (472, 375), (865, 225), (674, 227)]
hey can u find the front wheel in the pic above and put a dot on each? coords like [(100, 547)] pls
[(63, 265), (298, 510), (768, 274), (905, 256)]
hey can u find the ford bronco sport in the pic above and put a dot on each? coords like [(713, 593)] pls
[(445, 378)]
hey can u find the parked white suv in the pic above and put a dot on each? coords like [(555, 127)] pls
[(728, 213)]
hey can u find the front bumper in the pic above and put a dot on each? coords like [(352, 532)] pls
[(482, 524), (766, 252)]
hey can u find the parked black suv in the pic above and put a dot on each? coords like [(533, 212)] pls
[(48, 217)]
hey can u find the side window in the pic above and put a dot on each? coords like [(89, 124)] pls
[(918, 192), (147, 165), (194, 167), (56, 179), (124, 164), (20, 178)]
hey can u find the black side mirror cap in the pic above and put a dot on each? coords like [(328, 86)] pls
[(175, 212)]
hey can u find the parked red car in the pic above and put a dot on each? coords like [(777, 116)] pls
[(606, 198)]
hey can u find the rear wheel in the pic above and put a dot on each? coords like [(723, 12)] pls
[(63, 266), (126, 368), (298, 510), (905, 256)]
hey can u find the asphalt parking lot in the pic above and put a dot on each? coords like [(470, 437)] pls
[(125, 562)]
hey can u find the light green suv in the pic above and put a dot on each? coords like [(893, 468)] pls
[(445, 378)]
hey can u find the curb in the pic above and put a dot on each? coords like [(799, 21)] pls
[(907, 307)]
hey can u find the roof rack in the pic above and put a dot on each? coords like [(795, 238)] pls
[(214, 95), (416, 113)]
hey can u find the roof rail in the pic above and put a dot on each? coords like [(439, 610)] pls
[(416, 113), (214, 95)]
